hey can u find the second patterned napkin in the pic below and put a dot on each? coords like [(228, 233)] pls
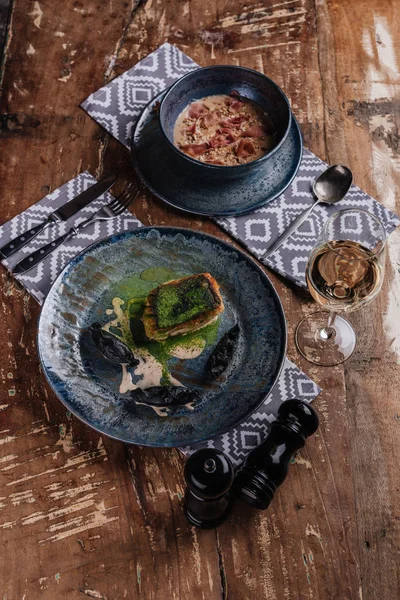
[(117, 106)]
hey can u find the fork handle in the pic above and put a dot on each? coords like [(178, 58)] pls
[(27, 236), (36, 257)]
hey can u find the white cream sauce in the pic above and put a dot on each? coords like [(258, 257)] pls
[(187, 352), (162, 411), (121, 320), (149, 369)]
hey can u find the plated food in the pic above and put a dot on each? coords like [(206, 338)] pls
[(108, 284), (187, 180), (173, 311), (225, 130), (181, 306)]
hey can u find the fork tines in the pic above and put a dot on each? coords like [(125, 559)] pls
[(125, 198)]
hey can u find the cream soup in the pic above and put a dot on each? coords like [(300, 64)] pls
[(224, 130)]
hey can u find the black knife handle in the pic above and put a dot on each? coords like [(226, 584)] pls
[(20, 241), (36, 257)]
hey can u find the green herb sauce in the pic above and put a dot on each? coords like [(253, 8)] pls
[(134, 292)]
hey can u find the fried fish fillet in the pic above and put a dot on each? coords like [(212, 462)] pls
[(182, 305)]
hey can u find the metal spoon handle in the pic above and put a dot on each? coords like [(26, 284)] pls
[(291, 229)]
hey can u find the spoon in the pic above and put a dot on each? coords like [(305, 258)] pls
[(330, 187)]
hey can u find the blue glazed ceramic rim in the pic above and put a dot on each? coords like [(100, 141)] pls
[(174, 231)]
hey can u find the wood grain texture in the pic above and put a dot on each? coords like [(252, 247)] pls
[(94, 518)]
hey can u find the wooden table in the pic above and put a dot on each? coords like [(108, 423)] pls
[(83, 515)]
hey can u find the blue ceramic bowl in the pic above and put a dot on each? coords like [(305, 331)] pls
[(160, 170), (222, 79)]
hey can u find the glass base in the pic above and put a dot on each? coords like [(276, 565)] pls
[(322, 345)]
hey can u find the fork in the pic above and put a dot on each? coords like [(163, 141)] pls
[(111, 210)]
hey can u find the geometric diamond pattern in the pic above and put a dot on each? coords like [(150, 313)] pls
[(39, 279), (290, 259), (239, 442), (258, 229), (116, 105)]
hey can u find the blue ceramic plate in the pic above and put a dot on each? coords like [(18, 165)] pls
[(161, 171), (103, 279)]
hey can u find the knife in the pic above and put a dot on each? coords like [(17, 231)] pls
[(61, 214)]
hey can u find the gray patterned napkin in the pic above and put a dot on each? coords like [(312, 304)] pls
[(39, 279), (238, 442), (259, 229), (116, 107)]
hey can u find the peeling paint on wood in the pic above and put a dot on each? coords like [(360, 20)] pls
[(36, 14)]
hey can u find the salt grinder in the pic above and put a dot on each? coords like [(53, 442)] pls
[(267, 465), (209, 476)]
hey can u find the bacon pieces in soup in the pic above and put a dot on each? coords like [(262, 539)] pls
[(224, 130)]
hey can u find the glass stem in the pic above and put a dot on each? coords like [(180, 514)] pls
[(331, 319), (327, 332)]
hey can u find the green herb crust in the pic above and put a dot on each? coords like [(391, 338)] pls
[(177, 303), (182, 305)]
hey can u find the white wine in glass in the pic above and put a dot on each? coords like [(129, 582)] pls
[(344, 271)]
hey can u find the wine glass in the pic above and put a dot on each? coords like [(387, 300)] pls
[(345, 270)]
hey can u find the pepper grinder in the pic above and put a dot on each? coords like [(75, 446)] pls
[(266, 466), (209, 476)]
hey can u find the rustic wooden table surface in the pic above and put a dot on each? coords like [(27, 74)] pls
[(84, 515)]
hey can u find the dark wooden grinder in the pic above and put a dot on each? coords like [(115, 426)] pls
[(208, 499), (209, 473), (266, 466)]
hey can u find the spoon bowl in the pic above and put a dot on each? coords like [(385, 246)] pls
[(333, 184)]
